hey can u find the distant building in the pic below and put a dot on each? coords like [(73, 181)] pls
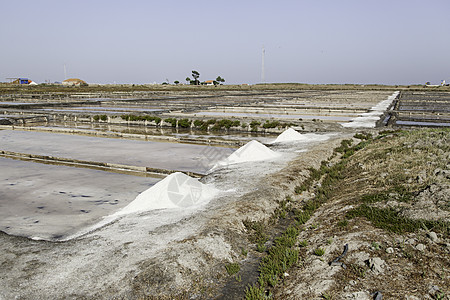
[(74, 82), (209, 82), (20, 80)]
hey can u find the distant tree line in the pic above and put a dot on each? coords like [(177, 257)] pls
[(195, 81)]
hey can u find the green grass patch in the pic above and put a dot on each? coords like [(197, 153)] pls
[(281, 256), (232, 268), (319, 251), (255, 292), (303, 243), (391, 220)]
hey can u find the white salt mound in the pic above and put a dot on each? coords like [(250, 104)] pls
[(291, 135), (177, 190), (252, 151)]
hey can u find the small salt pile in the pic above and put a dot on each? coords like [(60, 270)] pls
[(177, 190), (291, 135), (252, 151)]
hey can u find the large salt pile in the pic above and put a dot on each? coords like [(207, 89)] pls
[(369, 119), (291, 135), (177, 190), (252, 151)]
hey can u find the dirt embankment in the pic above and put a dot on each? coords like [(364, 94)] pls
[(392, 208)]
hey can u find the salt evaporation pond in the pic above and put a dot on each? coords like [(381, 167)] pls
[(51, 202), (416, 123), (276, 116), (161, 155)]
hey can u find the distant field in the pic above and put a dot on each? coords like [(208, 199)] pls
[(8, 88)]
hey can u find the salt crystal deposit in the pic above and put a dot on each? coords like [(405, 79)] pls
[(369, 119), (177, 190), (291, 135), (252, 151)]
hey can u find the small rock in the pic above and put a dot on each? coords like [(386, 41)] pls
[(390, 250), (410, 241), (433, 289), (352, 282), (377, 296), (421, 177), (437, 171), (420, 247), (433, 237), (376, 265), (285, 274), (358, 295), (399, 240)]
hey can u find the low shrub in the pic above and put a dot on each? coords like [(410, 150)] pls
[(172, 121), (184, 123)]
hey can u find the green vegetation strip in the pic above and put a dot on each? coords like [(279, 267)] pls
[(212, 124), (283, 253), (391, 220)]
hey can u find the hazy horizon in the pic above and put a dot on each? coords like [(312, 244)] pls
[(331, 42)]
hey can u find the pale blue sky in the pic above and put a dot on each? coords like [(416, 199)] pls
[(328, 41)]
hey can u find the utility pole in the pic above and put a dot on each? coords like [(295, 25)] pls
[(263, 71)]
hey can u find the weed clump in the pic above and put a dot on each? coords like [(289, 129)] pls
[(281, 256), (319, 251), (232, 268)]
